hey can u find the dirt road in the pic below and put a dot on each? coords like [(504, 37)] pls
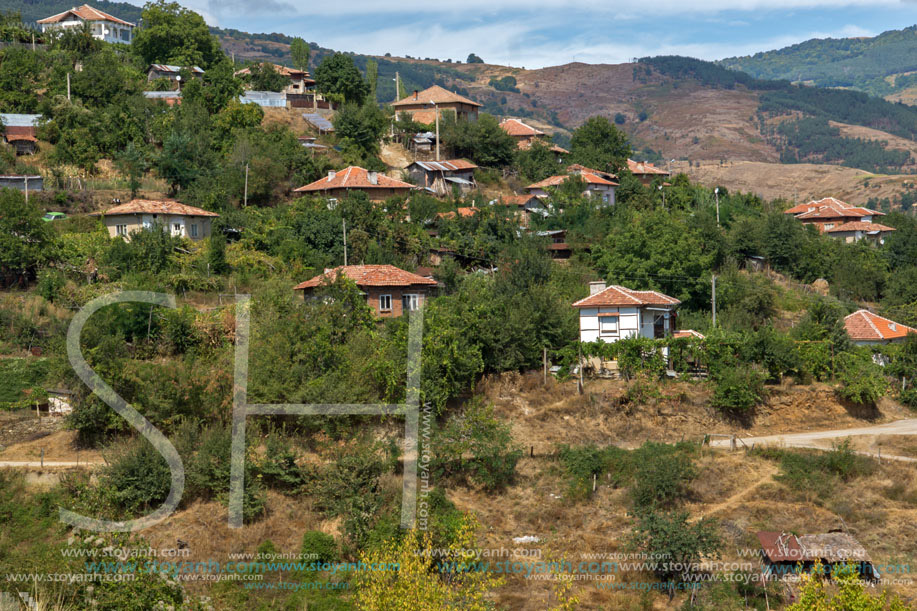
[(822, 440)]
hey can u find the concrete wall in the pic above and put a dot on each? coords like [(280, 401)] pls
[(598, 324)]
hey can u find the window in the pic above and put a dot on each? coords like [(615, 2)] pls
[(121, 229), (385, 303), (193, 230), (608, 325), (176, 228), (410, 302)]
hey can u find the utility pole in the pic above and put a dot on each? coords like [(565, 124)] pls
[(245, 196), (436, 110), (344, 225), (714, 299), (397, 86), (716, 193), (26, 190), (68, 86)]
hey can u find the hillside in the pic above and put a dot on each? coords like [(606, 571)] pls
[(881, 65)]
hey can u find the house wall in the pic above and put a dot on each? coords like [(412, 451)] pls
[(632, 321), (138, 222), (374, 293), (463, 111), (101, 30)]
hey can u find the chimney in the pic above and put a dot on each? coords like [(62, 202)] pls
[(415, 94), (596, 287), (373, 178), (331, 175)]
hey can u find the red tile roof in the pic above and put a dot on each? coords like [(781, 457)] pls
[(86, 13), (863, 325), (860, 226), (590, 179), (831, 203), (150, 206), (688, 333), (437, 95), (354, 178), (519, 200), (466, 212), (643, 167), (516, 128), (527, 144), (828, 212), (368, 275), (616, 295)]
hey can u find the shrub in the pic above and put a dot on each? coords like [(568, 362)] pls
[(908, 396), (738, 389), (318, 547), (138, 479), (862, 380), (209, 472), (477, 447), (819, 472), (278, 469), (681, 544), (662, 473), (50, 283)]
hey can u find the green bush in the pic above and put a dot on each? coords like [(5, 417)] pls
[(816, 472), (908, 396), (662, 473), (477, 447), (318, 547), (208, 472), (278, 468), (583, 463), (862, 380), (738, 389), (50, 283), (138, 479)]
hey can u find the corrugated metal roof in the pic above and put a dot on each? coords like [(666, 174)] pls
[(781, 547), (176, 69), (318, 121), (19, 120), (159, 95), (276, 99)]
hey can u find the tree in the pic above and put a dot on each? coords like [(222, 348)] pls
[(176, 162), (133, 164), (682, 544), (25, 240), (337, 74), (372, 77), (473, 59), (300, 51), (850, 594), (598, 144), (483, 141), (360, 126), (263, 76), (175, 35), (537, 162)]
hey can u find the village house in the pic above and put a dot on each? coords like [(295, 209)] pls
[(868, 329), (441, 177), (176, 218), (171, 73), (841, 220), (169, 98), (646, 172), (389, 291), (300, 80), (525, 207), (102, 25), (598, 184), (21, 132), (557, 243), (525, 135), (615, 312), (377, 186), (423, 105)]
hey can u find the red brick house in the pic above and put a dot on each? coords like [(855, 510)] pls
[(389, 291), (525, 135), (436, 98), (646, 172), (300, 80), (376, 185)]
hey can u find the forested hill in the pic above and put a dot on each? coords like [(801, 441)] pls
[(872, 65)]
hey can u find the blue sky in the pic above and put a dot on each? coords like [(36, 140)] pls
[(550, 32)]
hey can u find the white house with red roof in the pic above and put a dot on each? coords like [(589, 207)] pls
[(102, 25), (841, 220), (868, 329), (139, 214), (615, 312), (389, 291)]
